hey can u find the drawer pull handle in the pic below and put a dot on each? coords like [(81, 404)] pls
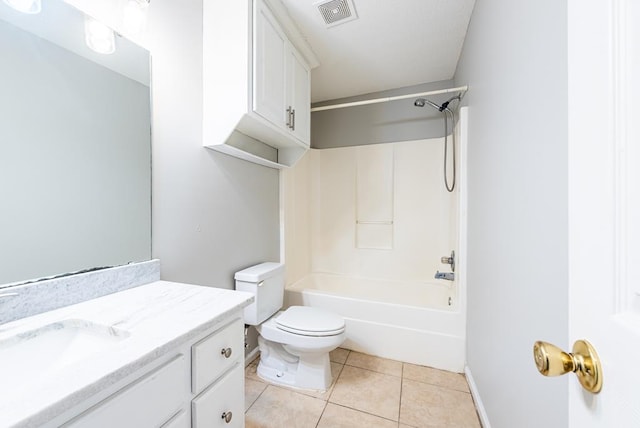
[(227, 416), (226, 352)]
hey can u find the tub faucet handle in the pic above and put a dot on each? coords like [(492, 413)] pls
[(449, 260), (449, 276)]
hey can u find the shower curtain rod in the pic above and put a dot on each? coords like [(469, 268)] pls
[(462, 89)]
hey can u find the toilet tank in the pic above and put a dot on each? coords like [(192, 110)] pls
[(266, 282)]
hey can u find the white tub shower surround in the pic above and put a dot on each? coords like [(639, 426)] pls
[(405, 321), (383, 285)]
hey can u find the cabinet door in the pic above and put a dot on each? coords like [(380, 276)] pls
[(214, 354), (222, 404), (269, 67), (299, 95)]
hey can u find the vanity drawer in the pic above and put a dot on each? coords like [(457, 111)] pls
[(215, 354), (224, 398), (148, 402)]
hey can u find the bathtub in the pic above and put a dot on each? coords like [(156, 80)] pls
[(415, 322)]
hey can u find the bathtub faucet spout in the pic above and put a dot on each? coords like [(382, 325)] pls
[(444, 275)]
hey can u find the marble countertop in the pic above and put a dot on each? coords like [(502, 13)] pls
[(156, 318)]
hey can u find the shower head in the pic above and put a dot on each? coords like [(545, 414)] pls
[(421, 102)]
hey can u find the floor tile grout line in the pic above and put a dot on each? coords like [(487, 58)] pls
[(374, 371), (335, 383), (256, 400), (326, 403), (362, 411), (436, 385)]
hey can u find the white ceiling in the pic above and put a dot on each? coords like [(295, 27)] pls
[(392, 44)]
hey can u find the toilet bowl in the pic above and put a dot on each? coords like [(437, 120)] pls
[(294, 343), (301, 358)]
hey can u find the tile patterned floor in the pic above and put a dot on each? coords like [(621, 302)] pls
[(366, 392)]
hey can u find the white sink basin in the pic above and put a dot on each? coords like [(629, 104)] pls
[(28, 356)]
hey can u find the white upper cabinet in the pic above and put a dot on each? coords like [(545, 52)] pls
[(256, 82), (269, 80)]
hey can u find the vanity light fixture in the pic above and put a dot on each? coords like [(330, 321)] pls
[(135, 16), (25, 6), (98, 36)]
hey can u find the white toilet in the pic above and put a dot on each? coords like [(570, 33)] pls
[(295, 343)]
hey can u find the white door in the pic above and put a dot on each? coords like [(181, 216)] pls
[(604, 205)]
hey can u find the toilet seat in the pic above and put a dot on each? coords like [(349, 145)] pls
[(308, 321)]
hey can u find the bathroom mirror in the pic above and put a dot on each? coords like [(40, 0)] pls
[(75, 147)]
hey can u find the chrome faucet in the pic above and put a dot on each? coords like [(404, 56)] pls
[(444, 275)]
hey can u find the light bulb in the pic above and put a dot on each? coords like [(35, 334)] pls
[(25, 6), (99, 37), (135, 16)]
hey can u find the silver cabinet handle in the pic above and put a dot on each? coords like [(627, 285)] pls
[(226, 352), (289, 117), (293, 121), (227, 416)]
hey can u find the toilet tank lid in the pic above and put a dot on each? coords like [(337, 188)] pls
[(259, 272)]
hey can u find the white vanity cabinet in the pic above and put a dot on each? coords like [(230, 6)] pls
[(222, 404), (201, 384), (256, 82), (162, 354)]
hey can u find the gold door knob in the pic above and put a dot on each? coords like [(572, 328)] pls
[(583, 361)]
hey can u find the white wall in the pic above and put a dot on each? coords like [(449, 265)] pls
[(515, 63), (320, 215), (211, 214)]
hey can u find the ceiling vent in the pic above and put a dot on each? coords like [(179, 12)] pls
[(336, 12)]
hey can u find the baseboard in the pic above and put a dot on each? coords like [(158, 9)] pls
[(482, 413), (248, 358)]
